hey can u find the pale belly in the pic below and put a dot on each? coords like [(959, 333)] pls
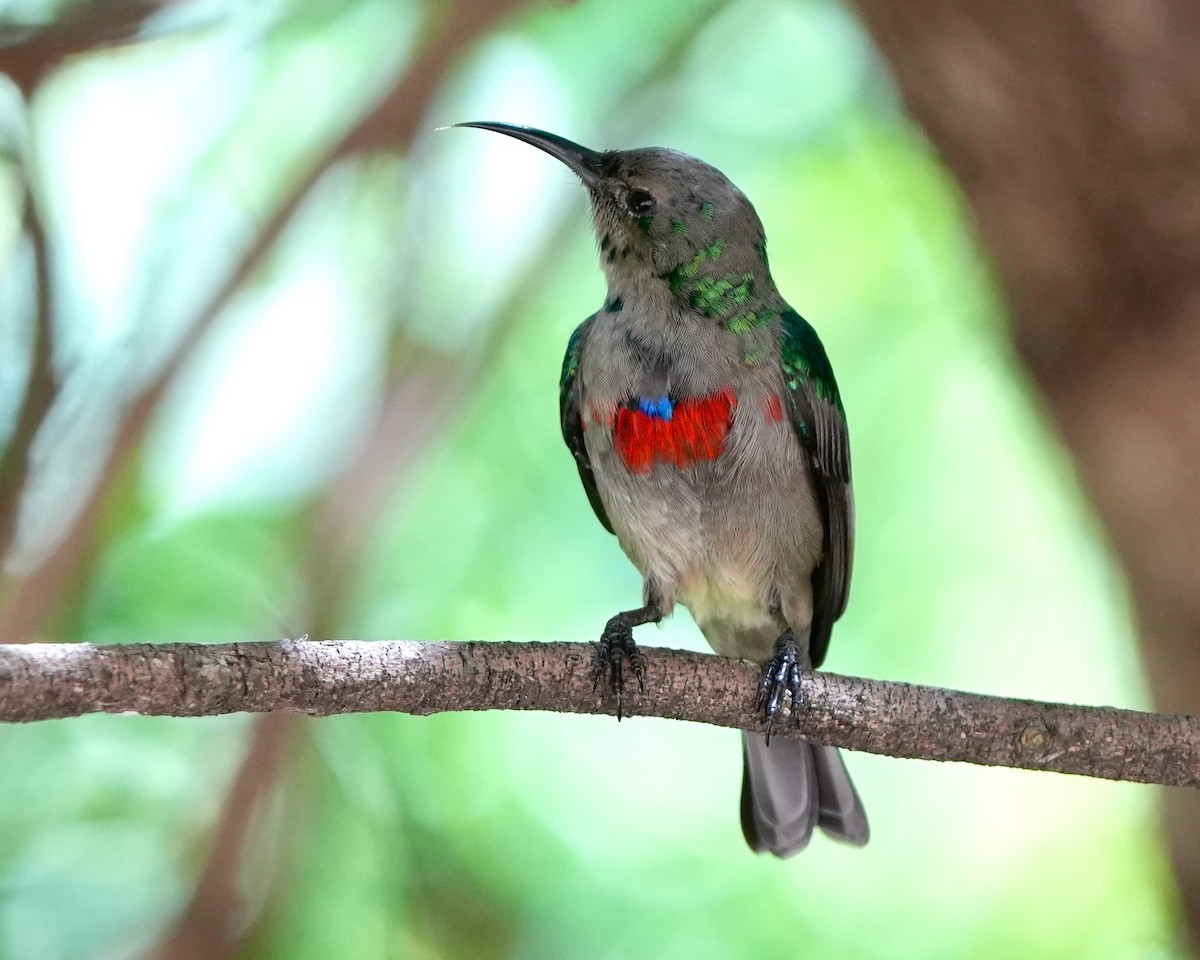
[(729, 556), (732, 600)]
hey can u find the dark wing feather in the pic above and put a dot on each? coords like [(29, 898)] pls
[(820, 424), (570, 407)]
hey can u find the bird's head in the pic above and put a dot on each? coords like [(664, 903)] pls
[(658, 213)]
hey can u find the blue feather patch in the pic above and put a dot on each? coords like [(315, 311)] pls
[(658, 407)]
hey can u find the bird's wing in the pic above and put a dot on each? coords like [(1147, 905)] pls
[(820, 424), (570, 406)]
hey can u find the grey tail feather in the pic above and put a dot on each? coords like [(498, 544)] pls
[(793, 786)]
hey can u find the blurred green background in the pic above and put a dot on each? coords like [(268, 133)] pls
[(415, 307)]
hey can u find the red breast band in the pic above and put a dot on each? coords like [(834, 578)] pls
[(695, 432)]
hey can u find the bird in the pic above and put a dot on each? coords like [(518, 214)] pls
[(710, 437)]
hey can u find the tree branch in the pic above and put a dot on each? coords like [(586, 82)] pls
[(319, 678)]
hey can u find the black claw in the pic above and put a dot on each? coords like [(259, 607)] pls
[(781, 677), (616, 646)]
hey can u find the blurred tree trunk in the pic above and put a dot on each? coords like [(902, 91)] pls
[(1074, 131)]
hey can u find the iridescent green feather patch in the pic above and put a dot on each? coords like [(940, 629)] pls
[(686, 271), (750, 320), (804, 361), (719, 297), (570, 367)]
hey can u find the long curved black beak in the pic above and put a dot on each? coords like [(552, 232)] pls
[(585, 163)]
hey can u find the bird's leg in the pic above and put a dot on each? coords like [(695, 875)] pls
[(781, 676), (616, 646)]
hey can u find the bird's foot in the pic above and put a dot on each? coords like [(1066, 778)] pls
[(780, 677), (615, 649)]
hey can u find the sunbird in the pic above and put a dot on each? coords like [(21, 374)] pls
[(710, 436)]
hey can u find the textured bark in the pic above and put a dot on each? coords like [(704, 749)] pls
[(1074, 131), (42, 681)]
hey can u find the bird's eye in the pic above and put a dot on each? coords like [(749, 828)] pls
[(639, 202)]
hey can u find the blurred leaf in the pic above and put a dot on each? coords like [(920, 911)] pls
[(214, 578)]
